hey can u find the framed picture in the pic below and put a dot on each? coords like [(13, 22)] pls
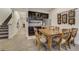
[(71, 13), (59, 18), (71, 20), (64, 18)]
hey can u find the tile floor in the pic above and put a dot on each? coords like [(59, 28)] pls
[(20, 43)]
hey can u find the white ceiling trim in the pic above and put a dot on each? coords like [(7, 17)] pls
[(46, 10)]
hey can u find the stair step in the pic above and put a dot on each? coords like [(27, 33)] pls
[(5, 33), (6, 37), (3, 27), (3, 30)]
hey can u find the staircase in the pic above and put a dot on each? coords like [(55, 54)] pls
[(7, 20), (4, 28), (3, 32)]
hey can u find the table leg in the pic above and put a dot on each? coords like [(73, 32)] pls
[(49, 38), (38, 42)]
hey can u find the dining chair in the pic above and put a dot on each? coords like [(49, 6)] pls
[(65, 37), (51, 27), (56, 39), (57, 28), (43, 27), (40, 39), (37, 39), (73, 35), (54, 28)]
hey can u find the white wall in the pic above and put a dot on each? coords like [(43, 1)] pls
[(23, 12), (23, 18), (4, 13), (45, 10), (53, 17), (13, 24)]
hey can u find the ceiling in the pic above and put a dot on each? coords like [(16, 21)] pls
[(33, 9)]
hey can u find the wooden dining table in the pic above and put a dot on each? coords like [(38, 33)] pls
[(48, 33)]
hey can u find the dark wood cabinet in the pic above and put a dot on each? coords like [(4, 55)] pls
[(37, 15), (31, 30)]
